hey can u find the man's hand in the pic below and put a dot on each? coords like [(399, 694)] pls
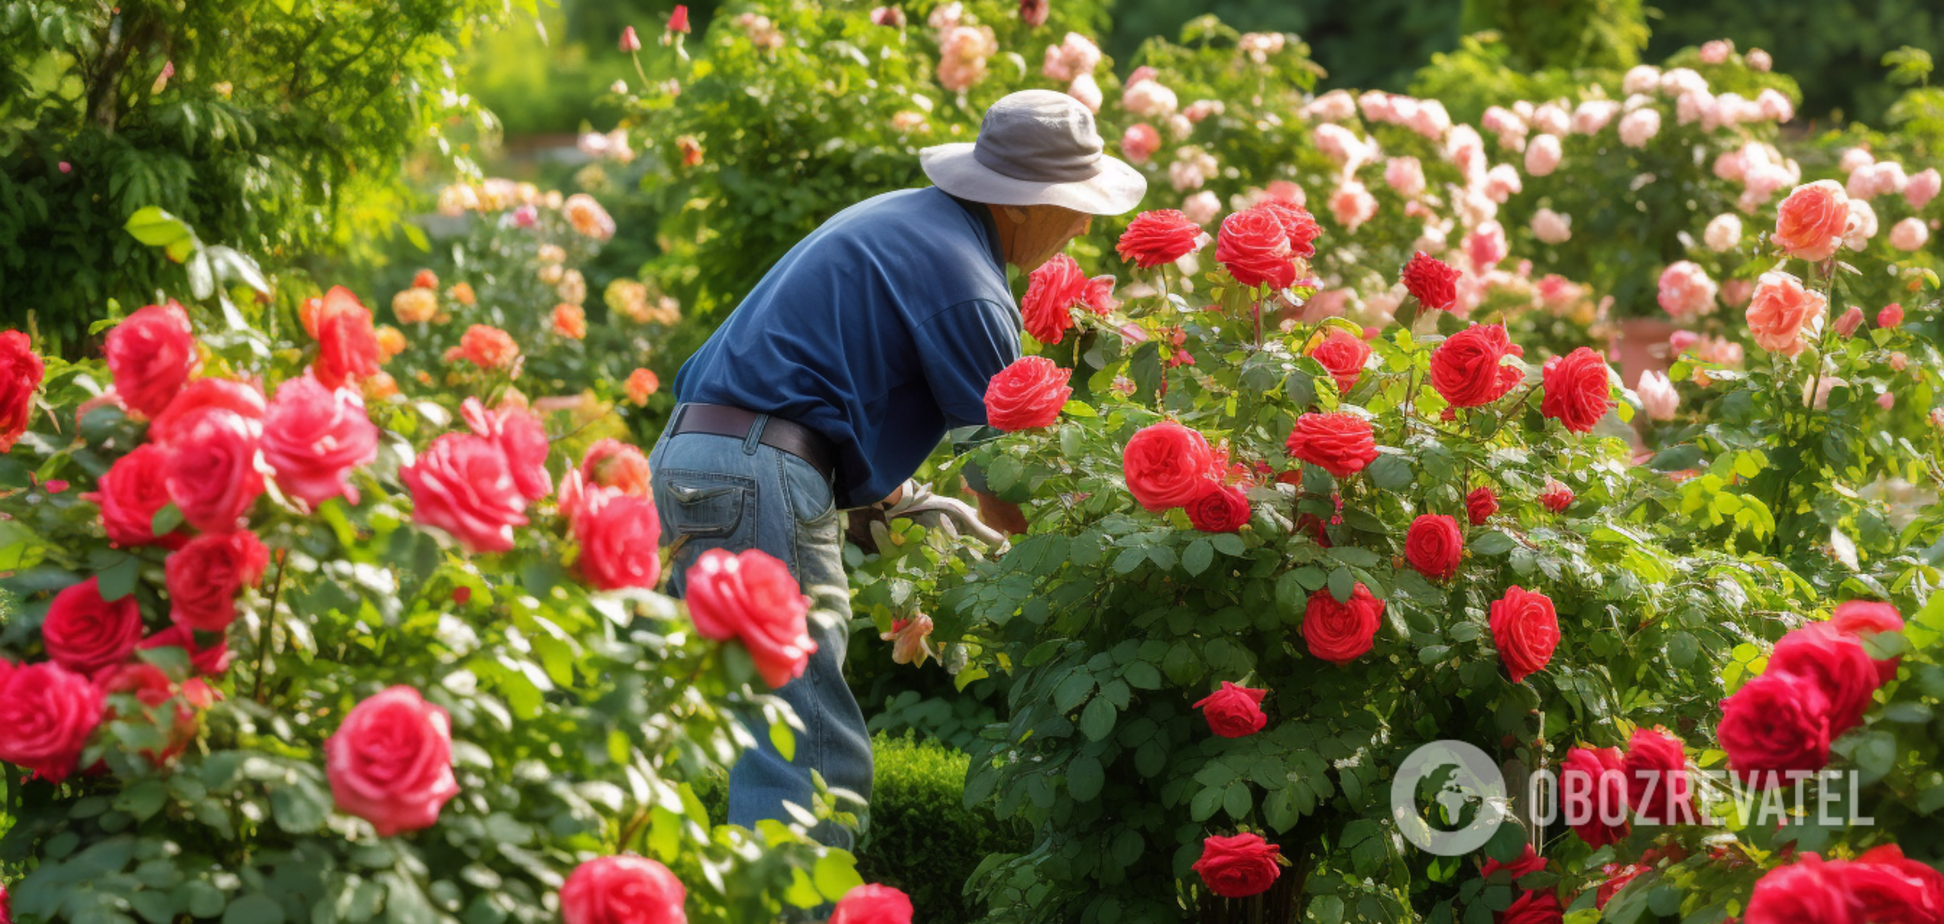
[(916, 502), (998, 514)]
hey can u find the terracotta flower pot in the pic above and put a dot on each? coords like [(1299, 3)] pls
[(1640, 345)]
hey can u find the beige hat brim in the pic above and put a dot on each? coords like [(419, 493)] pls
[(1117, 188)]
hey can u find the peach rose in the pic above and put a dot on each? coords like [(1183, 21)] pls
[(1811, 221), (1780, 310)]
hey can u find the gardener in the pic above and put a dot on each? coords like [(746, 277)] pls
[(839, 374)]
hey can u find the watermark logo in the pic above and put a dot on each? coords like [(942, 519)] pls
[(1467, 793)]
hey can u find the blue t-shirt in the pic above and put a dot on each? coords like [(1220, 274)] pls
[(880, 330)]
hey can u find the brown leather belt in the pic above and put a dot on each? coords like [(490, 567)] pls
[(786, 435)]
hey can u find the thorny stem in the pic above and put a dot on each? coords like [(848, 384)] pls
[(267, 628)]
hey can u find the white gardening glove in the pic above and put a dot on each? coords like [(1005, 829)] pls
[(952, 517)]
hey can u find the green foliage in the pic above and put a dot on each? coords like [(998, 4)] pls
[(1573, 34), (923, 837), (1375, 45)]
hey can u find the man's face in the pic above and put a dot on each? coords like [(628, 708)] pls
[(1048, 229)]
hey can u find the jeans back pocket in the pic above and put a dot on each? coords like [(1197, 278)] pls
[(705, 505)]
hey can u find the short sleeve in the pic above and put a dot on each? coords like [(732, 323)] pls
[(960, 349)]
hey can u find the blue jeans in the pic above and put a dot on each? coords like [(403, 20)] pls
[(736, 494)]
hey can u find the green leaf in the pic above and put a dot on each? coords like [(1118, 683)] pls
[(1085, 776), (784, 739), (156, 228), (166, 519), (1097, 720), (836, 874), (1342, 584), (1493, 542), (1229, 544), (1142, 675), (118, 580), (254, 909), (1198, 556), (143, 799), (1237, 800), (1129, 559), (1390, 473)]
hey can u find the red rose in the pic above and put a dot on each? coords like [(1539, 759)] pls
[(1434, 545), (1238, 866), (1166, 465), (211, 472), (521, 438), (151, 353), (1806, 890), (622, 889), (753, 598), (47, 713), (243, 398), (1027, 394), (205, 576), (1341, 632), (1234, 712), (1864, 618), (1617, 878), (1343, 353), (390, 762), (1529, 862), (20, 378), (1253, 247), (1051, 292), (1525, 630), (611, 463), (678, 21), (1556, 497), (1836, 662), (1157, 237), (1298, 225), (1777, 722), (151, 688), (347, 343), (1220, 509), (313, 436), (1339, 443), (1468, 369), (85, 633), (1576, 389), (1657, 780), (1433, 282), (1480, 504), (620, 540), (462, 485), (211, 661), (1593, 795), (1894, 889), (878, 904), (131, 492), (1535, 907)]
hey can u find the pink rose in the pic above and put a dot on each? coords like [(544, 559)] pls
[(620, 541), (1338, 143), (873, 904), (1542, 155), (84, 633), (907, 638), (131, 492), (1846, 326), (623, 889), (1686, 290), (151, 353), (1087, 90), (462, 485), (245, 399), (211, 472), (1922, 188), (1909, 234), (521, 438), (1639, 127), (390, 762), (205, 576), (47, 714), (1406, 175), (752, 598), (1139, 142), (1723, 233), (1202, 207), (1552, 227), (1780, 310), (1810, 222), (1657, 395), (1352, 205), (1593, 115), (314, 436)]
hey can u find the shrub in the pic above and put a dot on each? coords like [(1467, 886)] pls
[(924, 837)]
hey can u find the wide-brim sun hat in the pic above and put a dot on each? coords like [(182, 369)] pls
[(1037, 147)]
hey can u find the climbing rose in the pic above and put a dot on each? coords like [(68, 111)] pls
[(347, 343), (1909, 234), (1468, 369), (872, 903), (1433, 282), (611, 463), (1556, 497), (1806, 890), (1780, 310), (84, 633), (1686, 290), (1166, 465), (1534, 907), (245, 399), (1775, 723), (623, 889), (131, 492), (1525, 630), (1220, 509), (1542, 155), (1434, 545), (20, 377), (47, 714), (1657, 782), (520, 437), (1863, 618), (313, 436), (1139, 142), (1234, 712), (488, 347), (463, 485), (1027, 394), (1593, 795), (1810, 222), (641, 383), (1339, 443), (753, 598), (1298, 225), (1238, 866), (1576, 389), (1157, 237), (620, 537), (1480, 504), (1341, 632), (151, 354), (390, 762), (205, 576), (1254, 248), (211, 471), (1836, 663), (1343, 354)]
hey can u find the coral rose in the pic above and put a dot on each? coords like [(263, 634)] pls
[(1657, 780), (1220, 509), (313, 436), (20, 377), (907, 638), (1433, 282), (1157, 237), (1779, 312), (131, 492), (1593, 795), (488, 347), (1774, 724), (415, 305), (1027, 394), (205, 576), (151, 354), (611, 463), (47, 714), (85, 633), (244, 399), (1836, 662), (1298, 225), (1254, 248), (872, 903), (1339, 443), (1434, 545), (1166, 465), (1234, 712), (1576, 389), (641, 383), (1341, 632), (752, 598), (620, 540), (570, 321), (347, 343), (1343, 354), (211, 471), (463, 485), (1238, 866), (1525, 630), (1053, 290), (1468, 369), (1480, 504), (390, 762), (1891, 316), (1810, 222), (590, 219), (622, 889)]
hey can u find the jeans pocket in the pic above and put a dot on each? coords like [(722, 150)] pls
[(705, 505), (811, 498)]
